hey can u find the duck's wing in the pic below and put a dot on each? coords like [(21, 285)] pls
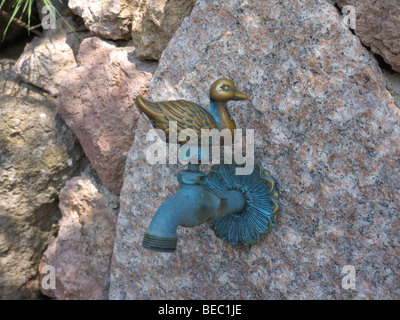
[(188, 115)]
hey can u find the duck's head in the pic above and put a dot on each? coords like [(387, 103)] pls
[(224, 90)]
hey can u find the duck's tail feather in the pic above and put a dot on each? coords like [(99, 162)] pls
[(149, 108)]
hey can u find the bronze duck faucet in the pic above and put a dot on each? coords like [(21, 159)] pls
[(240, 209)]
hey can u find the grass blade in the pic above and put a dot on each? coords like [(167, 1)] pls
[(49, 3), (17, 6)]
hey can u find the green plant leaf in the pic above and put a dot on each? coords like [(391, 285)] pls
[(29, 14), (2, 3), (17, 6)]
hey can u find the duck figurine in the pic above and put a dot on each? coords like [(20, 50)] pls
[(189, 115)]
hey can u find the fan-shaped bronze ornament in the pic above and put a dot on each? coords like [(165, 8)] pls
[(261, 204)]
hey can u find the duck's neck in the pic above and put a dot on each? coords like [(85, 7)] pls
[(222, 115)]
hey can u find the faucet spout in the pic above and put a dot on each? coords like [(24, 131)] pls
[(193, 204)]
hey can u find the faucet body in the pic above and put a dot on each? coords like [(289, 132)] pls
[(193, 204)]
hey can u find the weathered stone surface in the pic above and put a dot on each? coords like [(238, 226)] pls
[(108, 19), (152, 22), (326, 128), (81, 253), (46, 60), (155, 22), (393, 85), (11, 85), (378, 26), (96, 101), (38, 154)]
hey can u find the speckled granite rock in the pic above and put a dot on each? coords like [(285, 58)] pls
[(38, 154), (378, 26), (155, 22), (326, 128), (108, 19), (81, 253), (95, 100), (46, 60)]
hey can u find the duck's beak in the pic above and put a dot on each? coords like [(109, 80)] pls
[(240, 96)]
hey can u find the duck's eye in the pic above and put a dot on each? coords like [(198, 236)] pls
[(226, 87)]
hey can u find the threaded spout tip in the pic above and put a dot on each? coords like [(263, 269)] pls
[(155, 243)]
